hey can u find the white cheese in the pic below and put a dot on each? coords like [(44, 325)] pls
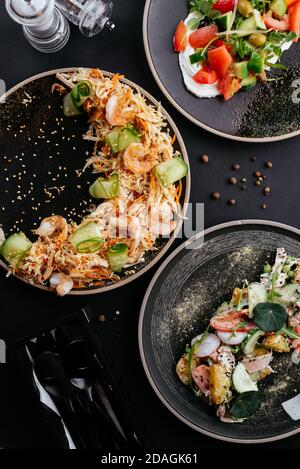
[(188, 70)]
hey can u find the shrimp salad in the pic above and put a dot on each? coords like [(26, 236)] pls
[(137, 189), (225, 363)]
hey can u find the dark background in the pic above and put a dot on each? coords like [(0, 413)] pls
[(24, 310)]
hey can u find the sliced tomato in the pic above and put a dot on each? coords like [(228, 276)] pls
[(180, 39), (290, 2), (297, 329), (278, 25), (294, 13), (205, 76), (219, 43), (219, 60), (230, 321), (223, 5), (229, 86), (202, 36)]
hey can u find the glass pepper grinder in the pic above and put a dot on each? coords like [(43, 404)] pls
[(44, 26), (91, 16)]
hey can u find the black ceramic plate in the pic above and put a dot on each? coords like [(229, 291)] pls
[(266, 113), (189, 285), (41, 152)]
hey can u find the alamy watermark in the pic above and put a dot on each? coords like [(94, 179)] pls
[(2, 352), (2, 91), (296, 92)]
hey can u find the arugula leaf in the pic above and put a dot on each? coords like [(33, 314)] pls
[(277, 37), (202, 6), (241, 47), (245, 405), (269, 317), (261, 5)]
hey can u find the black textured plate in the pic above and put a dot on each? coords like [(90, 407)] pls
[(189, 285), (41, 153), (266, 113)]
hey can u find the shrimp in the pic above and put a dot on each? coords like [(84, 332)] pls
[(139, 160), (50, 225), (118, 113), (62, 283), (161, 222)]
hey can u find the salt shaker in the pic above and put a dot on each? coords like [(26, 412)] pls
[(44, 26), (91, 16)]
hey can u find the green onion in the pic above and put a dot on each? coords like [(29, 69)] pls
[(118, 256), (87, 238), (105, 188), (76, 98), (15, 247), (171, 171)]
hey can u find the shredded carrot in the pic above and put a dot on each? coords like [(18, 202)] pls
[(116, 78), (178, 191), (153, 183), (173, 139)]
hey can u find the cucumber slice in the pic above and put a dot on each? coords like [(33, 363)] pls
[(69, 107), (249, 82), (224, 21), (249, 24), (118, 256), (196, 57), (127, 136), (241, 69), (112, 140), (257, 62), (251, 341), (15, 247), (242, 381), (87, 238), (105, 188), (257, 293), (171, 171), (279, 7), (259, 21)]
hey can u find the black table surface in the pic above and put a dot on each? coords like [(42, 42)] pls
[(24, 309)]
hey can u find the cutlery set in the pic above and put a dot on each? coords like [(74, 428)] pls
[(72, 369)]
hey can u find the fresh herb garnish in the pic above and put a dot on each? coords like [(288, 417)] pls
[(202, 6), (269, 317), (245, 405), (278, 66)]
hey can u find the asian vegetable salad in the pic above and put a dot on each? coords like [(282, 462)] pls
[(136, 168), (225, 363), (228, 45)]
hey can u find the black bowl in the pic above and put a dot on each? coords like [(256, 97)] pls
[(266, 113), (42, 152), (184, 292)]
